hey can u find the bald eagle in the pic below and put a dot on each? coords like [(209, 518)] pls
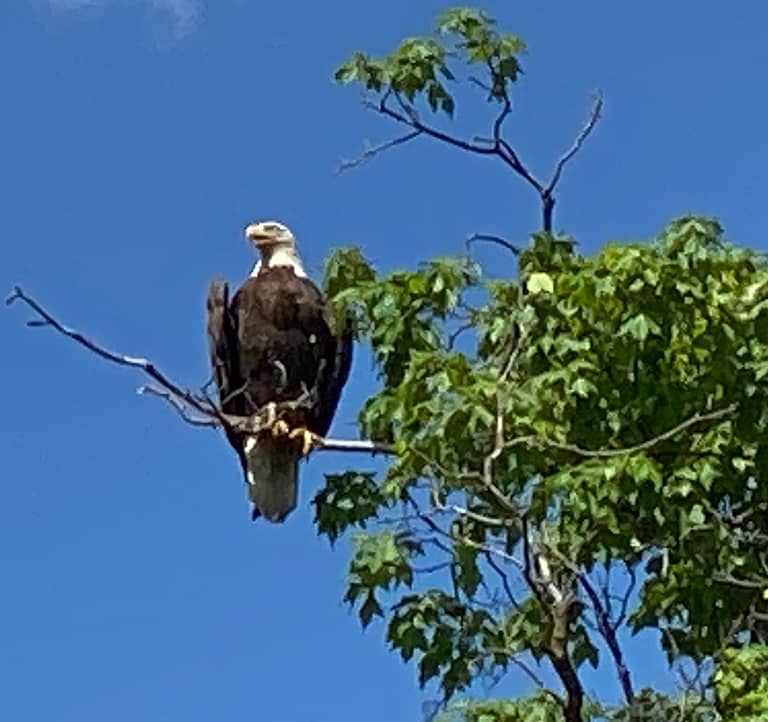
[(273, 344)]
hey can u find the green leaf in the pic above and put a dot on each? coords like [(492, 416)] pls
[(540, 283), (640, 327)]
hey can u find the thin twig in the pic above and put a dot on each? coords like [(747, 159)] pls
[(373, 151), (625, 599), (504, 579), (180, 406), (587, 128)]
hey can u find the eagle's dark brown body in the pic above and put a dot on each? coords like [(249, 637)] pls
[(273, 343)]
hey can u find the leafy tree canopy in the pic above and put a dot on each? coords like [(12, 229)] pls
[(578, 451)]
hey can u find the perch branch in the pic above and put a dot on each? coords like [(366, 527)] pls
[(46, 319), (184, 402)]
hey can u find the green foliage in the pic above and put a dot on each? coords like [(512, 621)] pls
[(380, 561), (594, 418), (539, 707), (631, 391), (649, 706), (741, 685), (346, 500), (418, 66)]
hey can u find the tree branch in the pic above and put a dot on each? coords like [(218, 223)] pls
[(46, 319), (587, 128), (373, 151), (412, 120), (180, 406), (559, 606), (608, 632), (489, 238), (644, 446), (547, 193), (184, 401)]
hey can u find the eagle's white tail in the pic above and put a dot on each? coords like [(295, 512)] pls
[(272, 470)]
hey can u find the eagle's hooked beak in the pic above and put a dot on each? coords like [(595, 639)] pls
[(260, 238)]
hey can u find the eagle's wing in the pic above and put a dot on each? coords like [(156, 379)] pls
[(341, 361), (219, 331), (224, 355)]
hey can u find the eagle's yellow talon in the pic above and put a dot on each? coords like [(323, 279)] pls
[(280, 428), (308, 439)]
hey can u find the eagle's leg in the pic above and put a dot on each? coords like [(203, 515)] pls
[(280, 428), (309, 440), (277, 426)]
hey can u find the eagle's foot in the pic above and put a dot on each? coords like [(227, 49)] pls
[(280, 428), (308, 440)]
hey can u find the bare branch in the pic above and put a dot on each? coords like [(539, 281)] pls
[(491, 521), (496, 147), (499, 444), (499, 122), (409, 118), (588, 127), (726, 578), (619, 621), (373, 151), (504, 579), (46, 319), (357, 445), (498, 240), (184, 402), (644, 446), (426, 517), (180, 406), (608, 632)]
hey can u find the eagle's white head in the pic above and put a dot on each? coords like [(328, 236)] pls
[(276, 245)]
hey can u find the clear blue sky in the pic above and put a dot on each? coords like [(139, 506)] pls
[(138, 138)]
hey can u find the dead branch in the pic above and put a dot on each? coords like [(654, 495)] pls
[(495, 146), (184, 402), (548, 191), (46, 319), (179, 405), (374, 150)]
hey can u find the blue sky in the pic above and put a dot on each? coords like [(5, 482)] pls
[(138, 140)]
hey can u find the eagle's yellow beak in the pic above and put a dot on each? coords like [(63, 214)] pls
[(260, 238)]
